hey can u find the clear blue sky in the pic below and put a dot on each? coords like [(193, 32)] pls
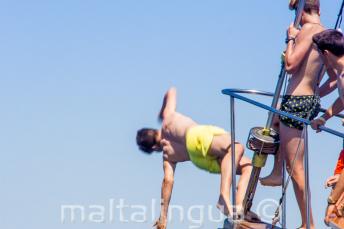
[(79, 77)]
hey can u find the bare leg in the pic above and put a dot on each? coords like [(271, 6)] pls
[(226, 175), (290, 139), (244, 169), (221, 148), (275, 178)]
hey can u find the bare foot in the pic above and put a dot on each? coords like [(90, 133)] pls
[(223, 206), (271, 180)]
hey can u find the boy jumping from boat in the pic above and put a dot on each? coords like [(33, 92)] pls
[(181, 139)]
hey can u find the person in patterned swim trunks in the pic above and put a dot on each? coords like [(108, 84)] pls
[(304, 63)]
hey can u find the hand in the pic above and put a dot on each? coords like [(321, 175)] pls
[(160, 224), (316, 123), (166, 148), (330, 213), (164, 142), (332, 181), (292, 31), (340, 206)]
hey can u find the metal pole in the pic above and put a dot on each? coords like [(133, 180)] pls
[(233, 159), (299, 11), (339, 15), (283, 72), (284, 203), (278, 89), (307, 189)]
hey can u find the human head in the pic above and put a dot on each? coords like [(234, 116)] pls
[(330, 40), (331, 44), (148, 140), (311, 9), (311, 6)]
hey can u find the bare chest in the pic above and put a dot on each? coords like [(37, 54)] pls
[(175, 152)]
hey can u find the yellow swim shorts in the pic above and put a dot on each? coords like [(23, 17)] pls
[(198, 142)]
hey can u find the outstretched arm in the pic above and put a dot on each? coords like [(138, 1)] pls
[(330, 85), (166, 192), (338, 190), (335, 109), (298, 46), (169, 105), (335, 200)]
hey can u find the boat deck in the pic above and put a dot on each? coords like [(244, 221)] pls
[(248, 225)]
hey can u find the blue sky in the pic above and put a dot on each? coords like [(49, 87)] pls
[(78, 78)]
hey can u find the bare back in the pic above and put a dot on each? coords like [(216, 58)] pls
[(306, 79), (173, 133)]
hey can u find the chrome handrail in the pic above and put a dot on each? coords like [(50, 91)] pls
[(265, 93), (285, 114), (234, 94)]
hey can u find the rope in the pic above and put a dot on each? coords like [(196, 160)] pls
[(286, 185), (284, 191), (340, 17)]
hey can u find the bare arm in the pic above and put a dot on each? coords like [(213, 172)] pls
[(339, 189), (334, 109), (166, 190), (296, 52), (330, 85), (169, 105)]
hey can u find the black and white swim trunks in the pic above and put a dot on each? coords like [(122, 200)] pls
[(304, 106)]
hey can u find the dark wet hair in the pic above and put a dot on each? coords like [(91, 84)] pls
[(146, 139), (310, 5), (330, 40)]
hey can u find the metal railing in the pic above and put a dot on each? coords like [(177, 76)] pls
[(234, 94)]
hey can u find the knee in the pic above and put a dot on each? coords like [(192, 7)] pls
[(246, 168), (289, 171), (239, 149), (295, 173)]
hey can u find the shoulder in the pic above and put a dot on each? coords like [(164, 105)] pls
[(310, 28), (173, 117), (307, 26), (167, 120), (308, 31)]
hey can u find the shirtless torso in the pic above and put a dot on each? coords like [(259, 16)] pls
[(173, 134), (179, 135), (305, 80)]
